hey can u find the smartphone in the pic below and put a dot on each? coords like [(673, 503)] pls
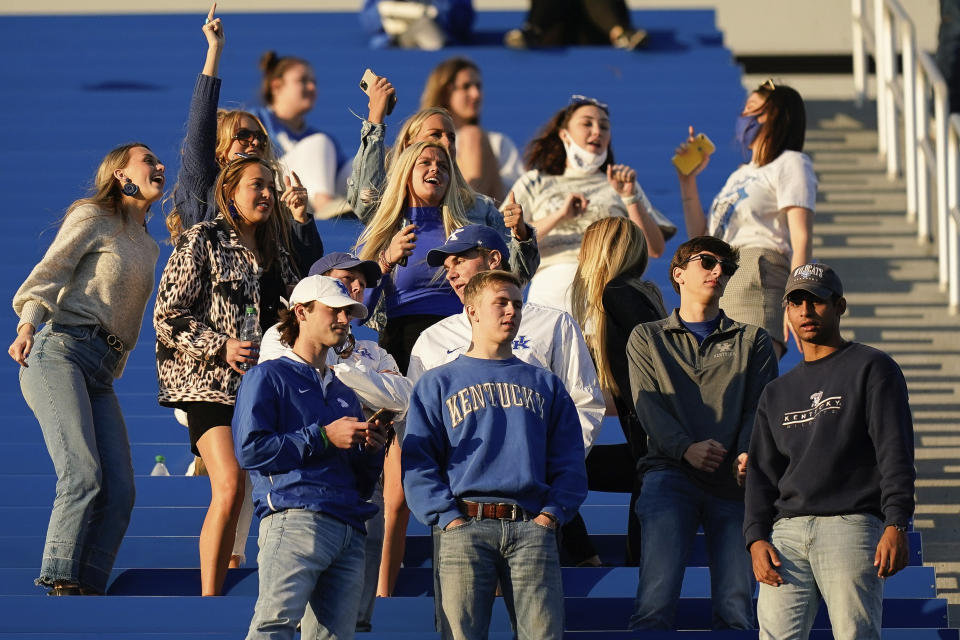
[(384, 416), (403, 225), (369, 77), (693, 156)]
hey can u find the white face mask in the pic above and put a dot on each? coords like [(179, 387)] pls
[(579, 160)]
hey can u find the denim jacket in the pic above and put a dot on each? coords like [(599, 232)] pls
[(369, 175)]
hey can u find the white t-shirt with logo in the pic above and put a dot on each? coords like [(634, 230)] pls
[(750, 209), (547, 338)]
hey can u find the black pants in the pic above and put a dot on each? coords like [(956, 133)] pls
[(555, 23), (400, 334)]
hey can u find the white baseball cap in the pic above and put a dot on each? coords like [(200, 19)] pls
[(328, 291)]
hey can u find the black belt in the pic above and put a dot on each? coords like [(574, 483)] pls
[(491, 510), (96, 331)]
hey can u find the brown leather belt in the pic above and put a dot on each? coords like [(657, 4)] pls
[(491, 510)]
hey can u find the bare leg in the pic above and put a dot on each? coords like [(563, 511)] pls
[(477, 163), (396, 515), (220, 524)]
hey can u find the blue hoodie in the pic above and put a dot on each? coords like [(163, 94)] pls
[(492, 431), (280, 408)]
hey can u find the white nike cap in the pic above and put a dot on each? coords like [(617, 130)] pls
[(328, 291)]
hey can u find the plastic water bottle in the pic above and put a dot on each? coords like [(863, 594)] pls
[(250, 332), (160, 469)]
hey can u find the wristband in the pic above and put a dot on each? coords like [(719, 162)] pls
[(629, 200), (385, 265), (326, 440)]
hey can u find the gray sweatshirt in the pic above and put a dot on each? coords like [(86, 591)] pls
[(98, 270)]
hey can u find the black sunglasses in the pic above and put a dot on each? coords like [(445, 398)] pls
[(708, 262), (244, 136)]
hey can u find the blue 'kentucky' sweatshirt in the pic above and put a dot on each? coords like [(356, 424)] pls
[(280, 408), (492, 431)]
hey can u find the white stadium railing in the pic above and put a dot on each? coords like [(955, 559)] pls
[(921, 146)]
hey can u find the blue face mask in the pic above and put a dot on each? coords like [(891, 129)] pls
[(746, 132)]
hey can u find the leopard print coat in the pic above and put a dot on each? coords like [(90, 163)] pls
[(209, 280)]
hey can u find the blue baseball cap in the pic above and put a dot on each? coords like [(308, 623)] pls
[(466, 238), (343, 260)]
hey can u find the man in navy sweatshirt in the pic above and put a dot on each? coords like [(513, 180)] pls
[(830, 474), (493, 458), (696, 378), (313, 461)]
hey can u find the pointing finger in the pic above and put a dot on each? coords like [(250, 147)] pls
[(213, 9), (690, 131), (297, 178), (511, 199)]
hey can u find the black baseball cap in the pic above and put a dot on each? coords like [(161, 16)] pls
[(343, 260), (815, 277)]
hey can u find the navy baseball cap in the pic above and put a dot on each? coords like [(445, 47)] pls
[(343, 260), (818, 279), (466, 238)]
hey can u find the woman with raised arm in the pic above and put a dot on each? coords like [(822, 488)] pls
[(572, 182), (765, 209), (489, 160), (216, 137), (218, 270), (370, 166), (89, 291)]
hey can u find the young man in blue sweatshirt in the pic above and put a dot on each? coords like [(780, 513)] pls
[(830, 474), (493, 458), (313, 461), (696, 378)]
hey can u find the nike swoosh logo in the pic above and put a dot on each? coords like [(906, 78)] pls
[(303, 390), (452, 350)]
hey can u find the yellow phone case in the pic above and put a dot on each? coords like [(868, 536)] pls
[(688, 161)]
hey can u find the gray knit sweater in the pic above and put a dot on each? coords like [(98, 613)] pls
[(98, 270)]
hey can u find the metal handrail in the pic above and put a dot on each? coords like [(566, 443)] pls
[(922, 147)]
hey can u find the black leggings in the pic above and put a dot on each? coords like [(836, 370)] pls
[(400, 334), (564, 22)]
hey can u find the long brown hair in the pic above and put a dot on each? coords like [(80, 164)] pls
[(610, 247), (228, 122), (106, 192), (269, 233), (786, 125), (436, 91), (546, 153)]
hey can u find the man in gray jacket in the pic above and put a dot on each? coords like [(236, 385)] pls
[(696, 379)]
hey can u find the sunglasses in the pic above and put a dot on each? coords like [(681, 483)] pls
[(769, 85), (245, 136), (577, 100), (709, 262)]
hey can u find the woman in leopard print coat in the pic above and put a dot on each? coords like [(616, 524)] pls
[(217, 269)]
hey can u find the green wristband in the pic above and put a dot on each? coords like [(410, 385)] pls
[(326, 440)]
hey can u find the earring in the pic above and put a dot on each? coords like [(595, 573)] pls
[(129, 188), (233, 210)]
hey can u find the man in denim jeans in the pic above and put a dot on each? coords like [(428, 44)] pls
[(696, 378), (830, 474), (493, 458), (313, 460)]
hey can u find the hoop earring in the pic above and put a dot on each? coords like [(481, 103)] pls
[(129, 188)]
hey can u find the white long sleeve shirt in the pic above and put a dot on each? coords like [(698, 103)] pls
[(369, 370), (547, 338)]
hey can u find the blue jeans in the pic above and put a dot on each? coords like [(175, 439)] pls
[(830, 557), (305, 558), (68, 385), (522, 556), (671, 508)]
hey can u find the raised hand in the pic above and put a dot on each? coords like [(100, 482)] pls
[(295, 198), (213, 30), (513, 218), (683, 148), (623, 179), (402, 244), (381, 94)]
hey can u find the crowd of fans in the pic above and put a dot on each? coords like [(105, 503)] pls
[(494, 402)]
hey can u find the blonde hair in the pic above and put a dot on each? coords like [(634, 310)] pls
[(228, 122), (610, 246), (269, 234), (389, 215), (408, 132), (107, 193)]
